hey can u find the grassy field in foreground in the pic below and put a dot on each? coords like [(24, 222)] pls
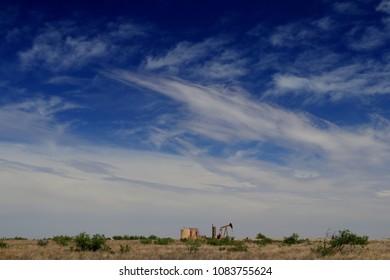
[(178, 250)]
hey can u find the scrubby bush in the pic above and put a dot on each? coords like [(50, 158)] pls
[(62, 240), (86, 243), (213, 242), (324, 250), (234, 245), (83, 242), (344, 241), (157, 240), (3, 244), (346, 238), (146, 241), (128, 237), (163, 241), (19, 238), (238, 246), (153, 237), (193, 245), (221, 242), (263, 240), (292, 239)]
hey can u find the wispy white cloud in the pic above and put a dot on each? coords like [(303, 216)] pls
[(384, 6), (227, 65), (290, 35), (184, 53), (57, 51), (211, 59), (383, 194), (233, 117), (126, 30), (355, 80), (319, 72), (66, 80), (65, 46), (301, 33), (34, 120), (10, 165), (368, 37), (42, 107)]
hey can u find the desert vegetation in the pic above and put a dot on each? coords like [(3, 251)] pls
[(341, 245)]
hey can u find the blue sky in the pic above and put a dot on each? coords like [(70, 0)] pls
[(143, 117)]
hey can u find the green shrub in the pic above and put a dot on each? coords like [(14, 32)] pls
[(3, 244), (260, 236), (213, 242), (238, 246), (128, 237), (152, 237), (221, 242), (324, 250), (84, 242), (193, 245), (344, 241), (117, 237), (291, 240), (62, 240), (19, 238), (163, 241), (146, 241), (346, 238), (156, 240), (98, 242), (263, 240)]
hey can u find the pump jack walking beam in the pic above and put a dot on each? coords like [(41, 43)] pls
[(223, 230)]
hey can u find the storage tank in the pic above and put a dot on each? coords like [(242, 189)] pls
[(185, 233), (193, 232)]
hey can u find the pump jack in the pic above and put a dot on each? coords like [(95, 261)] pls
[(223, 231)]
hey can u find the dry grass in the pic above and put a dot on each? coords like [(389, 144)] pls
[(29, 250)]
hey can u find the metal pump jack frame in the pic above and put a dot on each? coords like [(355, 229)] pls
[(223, 231)]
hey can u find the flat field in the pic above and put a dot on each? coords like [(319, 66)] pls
[(178, 250)]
